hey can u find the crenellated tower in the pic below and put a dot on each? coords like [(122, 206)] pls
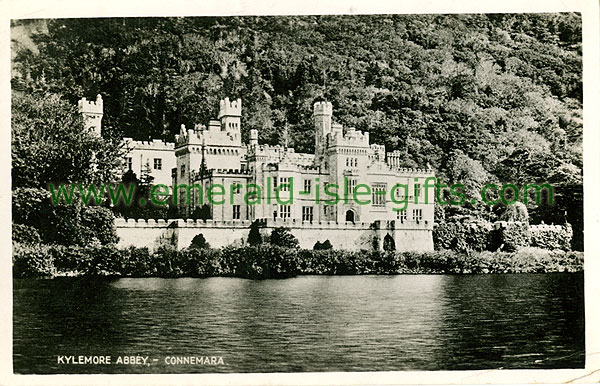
[(322, 115), (92, 112), (230, 113)]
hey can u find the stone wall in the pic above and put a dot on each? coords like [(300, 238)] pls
[(179, 233)]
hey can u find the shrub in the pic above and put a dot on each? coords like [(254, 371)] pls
[(71, 259), (282, 237), (254, 237), (462, 237), (64, 224), (261, 261), (552, 236), (32, 260), (510, 236), (321, 246), (197, 262), (199, 242), (99, 225), (25, 234), (136, 262), (516, 212), (388, 243)]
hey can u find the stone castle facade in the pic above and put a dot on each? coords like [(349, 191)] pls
[(214, 154)]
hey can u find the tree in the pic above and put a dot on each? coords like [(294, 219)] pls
[(50, 145), (516, 212), (282, 237), (388, 243), (199, 242), (321, 246), (503, 91), (201, 213), (254, 237), (63, 223)]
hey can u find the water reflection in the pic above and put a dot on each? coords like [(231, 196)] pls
[(313, 323)]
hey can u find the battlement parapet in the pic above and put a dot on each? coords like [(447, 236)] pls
[(155, 144), (91, 107), (412, 171), (546, 227), (504, 224), (230, 171), (356, 139), (180, 223), (230, 108), (323, 108)]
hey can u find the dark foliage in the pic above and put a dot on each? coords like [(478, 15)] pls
[(282, 237), (271, 262), (199, 242)]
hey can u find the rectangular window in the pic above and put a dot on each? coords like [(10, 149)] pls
[(129, 163), (285, 211), (157, 164), (378, 193), (417, 215), (351, 186), (284, 182), (182, 170), (236, 212), (307, 213), (307, 186), (401, 215), (417, 190), (236, 187)]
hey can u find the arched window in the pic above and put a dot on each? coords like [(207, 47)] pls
[(350, 216)]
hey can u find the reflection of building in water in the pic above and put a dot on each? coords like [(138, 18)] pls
[(344, 163)]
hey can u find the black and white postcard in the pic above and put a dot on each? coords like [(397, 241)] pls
[(301, 193)]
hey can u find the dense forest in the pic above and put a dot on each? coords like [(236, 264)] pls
[(481, 98)]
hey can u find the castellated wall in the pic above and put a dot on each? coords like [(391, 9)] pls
[(179, 233)]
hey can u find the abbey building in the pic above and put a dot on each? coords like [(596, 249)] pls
[(345, 164)]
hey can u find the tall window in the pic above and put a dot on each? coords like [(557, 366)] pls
[(307, 185), (417, 190), (236, 212), (157, 164), (351, 186), (401, 215), (182, 170), (284, 182), (307, 213), (236, 187), (285, 211), (378, 193), (417, 215), (129, 163)]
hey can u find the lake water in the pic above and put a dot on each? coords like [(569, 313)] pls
[(309, 323)]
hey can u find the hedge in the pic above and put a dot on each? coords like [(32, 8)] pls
[(552, 236), (462, 237), (267, 261)]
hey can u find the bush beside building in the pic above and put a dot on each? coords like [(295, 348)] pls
[(466, 237), (266, 261)]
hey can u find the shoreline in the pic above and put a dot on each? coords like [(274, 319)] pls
[(266, 261)]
